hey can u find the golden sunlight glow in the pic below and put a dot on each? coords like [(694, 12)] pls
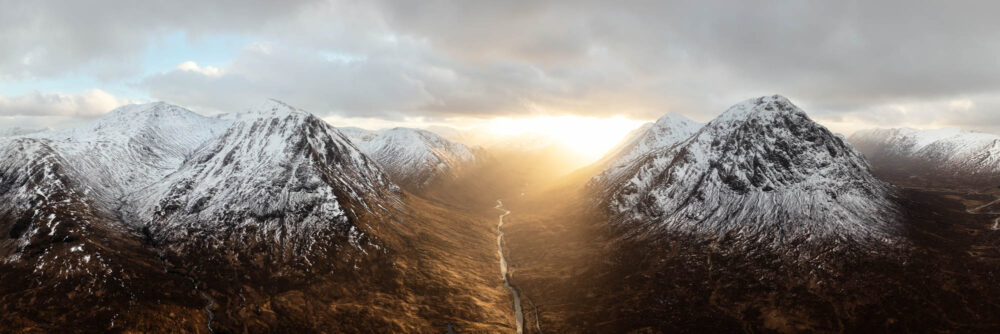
[(588, 137), (585, 138)]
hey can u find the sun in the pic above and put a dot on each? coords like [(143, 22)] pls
[(588, 137)]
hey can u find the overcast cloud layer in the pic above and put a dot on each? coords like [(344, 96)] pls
[(849, 64)]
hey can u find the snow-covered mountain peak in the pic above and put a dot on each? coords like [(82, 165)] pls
[(275, 107), (766, 142), (142, 113), (672, 119), (409, 137), (762, 169), (667, 131), (767, 109), (155, 124), (413, 157), (151, 108), (132, 146), (280, 174), (266, 108)]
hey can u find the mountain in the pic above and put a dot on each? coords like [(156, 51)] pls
[(969, 158), (412, 157), (62, 188), (61, 248), (45, 210), (132, 146), (277, 176), (152, 208), (665, 132), (760, 171)]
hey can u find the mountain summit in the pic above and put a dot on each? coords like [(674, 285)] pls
[(665, 132), (762, 170), (132, 146)]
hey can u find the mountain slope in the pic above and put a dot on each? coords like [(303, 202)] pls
[(43, 206), (413, 157), (970, 158), (59, 249), (761, 171)]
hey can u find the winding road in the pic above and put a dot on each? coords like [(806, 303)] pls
[(518, 314)]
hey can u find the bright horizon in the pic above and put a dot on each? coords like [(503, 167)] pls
[(587, 138)]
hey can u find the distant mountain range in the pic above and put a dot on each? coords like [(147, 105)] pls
[(414, 158), (940, 155)]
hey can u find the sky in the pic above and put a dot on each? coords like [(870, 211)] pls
[(849, 64)]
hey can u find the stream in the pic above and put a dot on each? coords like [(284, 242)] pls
[(518, 314)]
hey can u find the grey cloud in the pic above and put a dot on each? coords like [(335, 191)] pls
[(846, 60), (838, 55), (88, 104), (313, 82), (105, 37)]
